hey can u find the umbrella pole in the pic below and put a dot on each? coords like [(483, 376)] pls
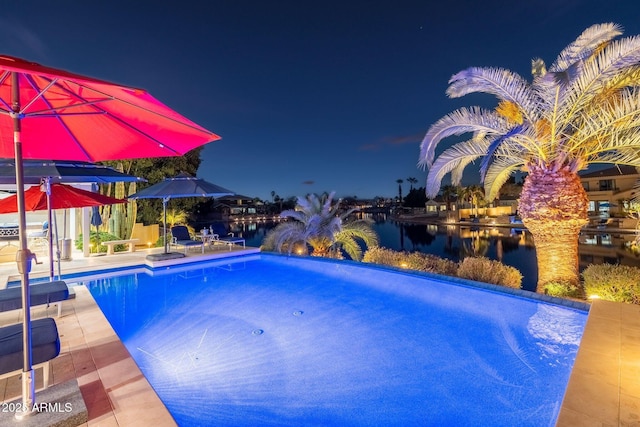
[(55, 222), (47, 184), (23, 258), (164, 222)]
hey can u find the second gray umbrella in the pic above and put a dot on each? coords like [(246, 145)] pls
[(183, 185)]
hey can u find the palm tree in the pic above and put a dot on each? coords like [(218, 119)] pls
[(449, 194), (317, 224), (174, 216), (474, 194), (399, 181), (584, 109), (411, 181)]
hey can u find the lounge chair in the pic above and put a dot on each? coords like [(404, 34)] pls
[(45, 345), (41, 293), (221, 235), (180, 237), (40, 237)]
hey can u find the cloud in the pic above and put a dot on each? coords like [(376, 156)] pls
[(404, 139), (369, 147), (392, 140)]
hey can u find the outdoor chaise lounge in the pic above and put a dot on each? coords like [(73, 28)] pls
[(41, 293), (45, 343), (180, 237), (221, 235)]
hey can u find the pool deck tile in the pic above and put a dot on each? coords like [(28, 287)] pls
[(603, 389)]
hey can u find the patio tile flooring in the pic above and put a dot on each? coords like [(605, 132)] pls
[(604, 387), (603, 390)]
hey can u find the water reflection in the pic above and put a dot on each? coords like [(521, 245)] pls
[(512, 246)]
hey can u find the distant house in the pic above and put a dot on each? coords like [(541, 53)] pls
[(508, 200), (436, 205), (609, 189), (238, 205)]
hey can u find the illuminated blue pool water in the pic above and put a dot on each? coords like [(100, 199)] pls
[(271, 340)]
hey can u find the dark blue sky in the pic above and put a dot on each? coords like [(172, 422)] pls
[(307, 96)]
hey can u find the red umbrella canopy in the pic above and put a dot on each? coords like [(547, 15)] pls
[(62, 197), (66, 116)]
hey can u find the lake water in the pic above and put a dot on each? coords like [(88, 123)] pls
[(513, 247)]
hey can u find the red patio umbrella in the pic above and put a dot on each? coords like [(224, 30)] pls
[(65, 116)]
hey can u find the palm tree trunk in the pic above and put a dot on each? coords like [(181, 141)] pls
[(553, 207)]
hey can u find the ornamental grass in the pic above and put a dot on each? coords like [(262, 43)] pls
[(620, 283), (410, 260), (483, 269), (472, 268)]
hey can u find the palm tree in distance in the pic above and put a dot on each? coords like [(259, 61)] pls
[(411, 181), (449, 194), (318, 225), (399, 181), (473, 194), (583, 109)]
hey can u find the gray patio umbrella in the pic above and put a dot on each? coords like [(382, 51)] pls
[(50, 172), (183, 185), (62, 172)]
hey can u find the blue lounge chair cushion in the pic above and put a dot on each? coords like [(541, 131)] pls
[(45, 343), (188, 242), (225, 236), (180, 235), (41, 293), (231, 239)]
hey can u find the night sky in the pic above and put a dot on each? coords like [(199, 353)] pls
[(307, 96)]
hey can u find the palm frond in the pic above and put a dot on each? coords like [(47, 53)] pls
[(459, 122), (498, 173), (629, 157), (493, 148), (297, 215), (504, 84), (454, 158), (284, 235), (351, 247), (613, 68), (584, 46), (350, 236), (614, 126)]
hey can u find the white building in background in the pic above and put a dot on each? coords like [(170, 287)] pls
[(609, 189)]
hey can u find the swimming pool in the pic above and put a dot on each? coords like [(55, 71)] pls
[(274, 340)]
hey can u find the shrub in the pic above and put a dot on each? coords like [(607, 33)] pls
[(619, 283), (564, 290), (410, 260), (104, 237), (485, 270)]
